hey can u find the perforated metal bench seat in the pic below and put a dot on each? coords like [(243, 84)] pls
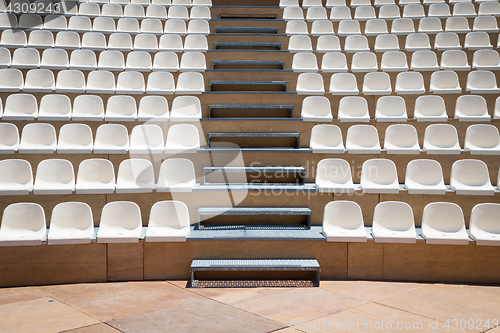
[(255, 265)]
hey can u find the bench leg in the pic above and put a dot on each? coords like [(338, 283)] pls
[(194, 283), (316, 279)]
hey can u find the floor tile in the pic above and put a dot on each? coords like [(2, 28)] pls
[(107, 301), (43, 315), (200, 316), (11, 295), (98, 328), (300, 304)]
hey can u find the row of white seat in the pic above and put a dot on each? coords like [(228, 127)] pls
[(23, 224), (40, 138), (126, 25), (110, 60), (393, 109), (402, 26), (101, 82), (97, 176), (379, 83), (376, 3), (33, 19), (56, 107), (442, 223), (70, 40), (166, 3), (390, 12), (395, 61)]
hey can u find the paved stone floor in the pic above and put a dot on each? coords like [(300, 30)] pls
[(170, 306)]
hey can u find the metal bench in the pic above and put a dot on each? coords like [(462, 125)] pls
[(255, 265)]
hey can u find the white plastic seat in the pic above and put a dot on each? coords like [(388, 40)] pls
[(439, 10), (489, 8), (286, 3), (166, 3), (343, 222), (455, 60), (16, 177), (478, 40), (443, 223), (156, 11), (54, 107), (457, 24), (311, 3), (357, 3), (111, 139), (408, 2), (486, 60), (334, 62), (168, 222), (413, 11), (445, 82), (111, 61), (430, 108), (133, 11), (182, 138), (23, 224), (484, 224), (25, 58), (186, 108), (166, 61), (485, 24), (304, 62), (178, 12), (120, 41), (138, 61), (89, 9), (70, 81), (146, 139), (100, 82), (424, 177), (402, 26), (349, 27), (88, 108), (430, 25), (54, 59), (195, 43), (333, 175), (300, 43), (198, 13), (153, 108), (79, 24), (326, 139), (146, 42), (482, 82), (322, 27), (380, 3), (377, 83), (135, 176), (375, 27), (144, 3), (71, 223), (497, 109), (121, 222), (121, 108), (55, 23), (465, 9), (391, 109), (362, 139), (173, 26), (112, 10), (470, 177), (401, 139), (343, 84), (30, 22), (68, 40), (171, 42), (417, 42), (410, 83), (20, 107), (364, 13), (441, 139), (151, 26), (379, 176), (9, 138), (386, 42), (130, 83), (39, 80), (310, 84), (424, 61), (190, 83), (104, 25), (75, 139), (387, 229), (315, 13), (327, 43), (128, 25), (201, 27), (54, 176), (93, 41), (193, 62), (389, 12), (471, 108), (394, 61), (95, 176), (13, 38), (38, 138), (356, 43), (339, 13), (176, 175), (40, 39), (482, 139), (161, 83), (83, 60), (316, 108)]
